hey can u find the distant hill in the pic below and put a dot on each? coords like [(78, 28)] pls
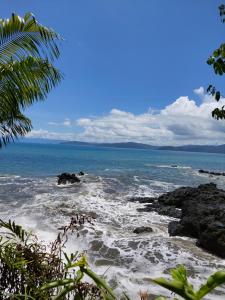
[(196, 148), (132, 145), (112, 145)]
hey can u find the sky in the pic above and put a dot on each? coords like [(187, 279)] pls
[(134, 70)]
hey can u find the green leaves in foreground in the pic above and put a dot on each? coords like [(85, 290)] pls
[(32, 270), (179, 284)]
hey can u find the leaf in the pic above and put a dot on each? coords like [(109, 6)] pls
[(56, 283), (100, 282), (213, 281), (179, 285), (217, 96)]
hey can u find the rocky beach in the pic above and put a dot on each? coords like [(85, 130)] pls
[(201, 214), (133, 197)]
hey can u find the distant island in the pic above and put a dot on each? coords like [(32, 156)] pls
[(132, 145)]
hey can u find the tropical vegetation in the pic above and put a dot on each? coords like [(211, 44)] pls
[(217, 61), (32, 270), (27, 74)]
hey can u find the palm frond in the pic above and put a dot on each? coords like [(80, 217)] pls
[(25, 36), (12, 126), (23, 82), (26, 72)]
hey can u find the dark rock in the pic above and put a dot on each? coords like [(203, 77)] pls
[(211, 173), (67, 178), (174, 166), (81, 173), (142, 229), (170, 211), (142, 199), (203, 216), (201, 211)]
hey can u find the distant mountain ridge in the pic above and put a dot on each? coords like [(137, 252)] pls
[(112, 145), (133, 145)]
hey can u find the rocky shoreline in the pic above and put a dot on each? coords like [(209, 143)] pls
[(201, 211)]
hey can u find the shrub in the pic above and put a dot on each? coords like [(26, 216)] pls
[(31, 270)]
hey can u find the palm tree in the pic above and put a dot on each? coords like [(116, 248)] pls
[(27, 51)]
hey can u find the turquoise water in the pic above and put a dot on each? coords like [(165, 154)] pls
[(49, 160), (29, 194)]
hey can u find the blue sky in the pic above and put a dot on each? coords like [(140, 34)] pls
[(123, 56)]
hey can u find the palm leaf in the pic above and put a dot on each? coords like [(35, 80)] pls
[(26, 72), (25, 36), (23, 82), (12, 126)]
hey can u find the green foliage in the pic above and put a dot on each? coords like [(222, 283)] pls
[(217, 61), (31, 270), (27, 50), (179, 284)]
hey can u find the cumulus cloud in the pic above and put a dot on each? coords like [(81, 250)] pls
[(67, 123), (45, 134), (181, 122), (200, 91)]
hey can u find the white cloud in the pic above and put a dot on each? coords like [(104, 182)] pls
[(181, 122), (203, 95), (67, 123), (199, 91)]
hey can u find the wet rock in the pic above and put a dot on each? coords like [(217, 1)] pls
[(65, 178), (212, 173), (110, 253), (142, 229), (96, 245), (203, 216), (170, 211), (142, 199), (81, 173), (201, 211)]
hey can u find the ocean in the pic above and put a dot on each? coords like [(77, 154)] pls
[(29, 194)]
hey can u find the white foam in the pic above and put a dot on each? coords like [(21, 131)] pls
[(137, 257)]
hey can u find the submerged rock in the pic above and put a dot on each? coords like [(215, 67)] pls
[(142, 229), (65, 178)]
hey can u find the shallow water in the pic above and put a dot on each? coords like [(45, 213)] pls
[(29, 194)]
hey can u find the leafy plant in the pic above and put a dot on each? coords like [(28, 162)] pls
[(31, 270), (217, 61), (180, 285), (27, 74)]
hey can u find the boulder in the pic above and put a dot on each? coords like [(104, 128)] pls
[(201, 211), (203, 216), (65, 178), (142, 229), (81, 173)]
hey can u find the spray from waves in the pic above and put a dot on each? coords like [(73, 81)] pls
[(127, 259)]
